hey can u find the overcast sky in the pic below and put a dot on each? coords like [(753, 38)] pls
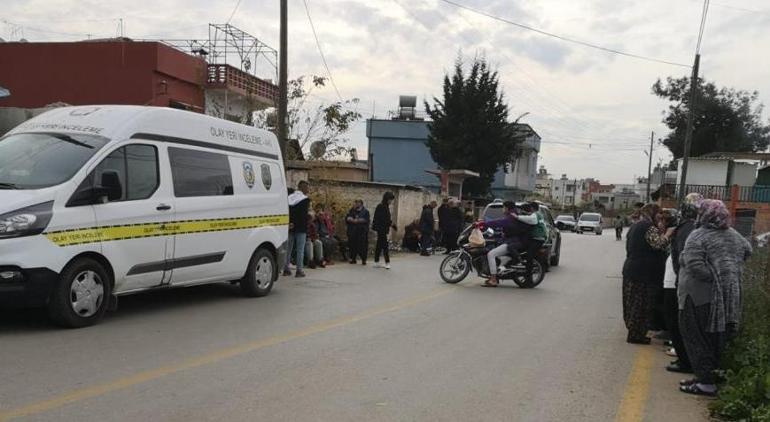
[(378, 49)]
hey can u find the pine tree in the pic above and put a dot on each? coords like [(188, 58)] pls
[(470, 128)]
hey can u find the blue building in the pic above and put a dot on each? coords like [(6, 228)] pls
[(398, 153)]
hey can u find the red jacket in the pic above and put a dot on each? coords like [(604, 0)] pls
[(325, 219)]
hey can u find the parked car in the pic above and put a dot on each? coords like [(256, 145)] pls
[(565, 222), (551, 251), (589, 222)]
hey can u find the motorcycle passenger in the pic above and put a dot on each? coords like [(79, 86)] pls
[(516, 233), (539, 235)]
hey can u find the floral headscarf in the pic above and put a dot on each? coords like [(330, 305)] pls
[(713, 214), (690, 206), (650, 211)]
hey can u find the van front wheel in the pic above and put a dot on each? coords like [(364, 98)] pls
[(260, 274), (81, 296)]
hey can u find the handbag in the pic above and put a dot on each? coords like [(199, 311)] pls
[(476, 239)]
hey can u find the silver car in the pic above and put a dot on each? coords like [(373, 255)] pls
[(589, 222)]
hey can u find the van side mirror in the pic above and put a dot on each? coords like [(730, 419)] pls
[(110, 185)]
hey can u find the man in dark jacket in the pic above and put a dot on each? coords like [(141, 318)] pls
[(427, 224), (382, 224), (441, 213), (299, 204), (453, 225), (358, 232)]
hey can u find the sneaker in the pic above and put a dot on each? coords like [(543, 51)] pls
[(377, 265), (387, 266), (286, 273), (300, 274), (363, 263)]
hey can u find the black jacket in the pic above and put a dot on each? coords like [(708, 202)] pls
[(298, 216), (643, 263), (442, 213), (382, 219), (453, 220), (680, 237), (427, 222), (357, 228)]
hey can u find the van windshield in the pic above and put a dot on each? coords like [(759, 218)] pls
[(41, 160), (589, 217)]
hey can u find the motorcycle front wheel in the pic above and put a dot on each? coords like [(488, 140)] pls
[(537, 276), (455, 267)]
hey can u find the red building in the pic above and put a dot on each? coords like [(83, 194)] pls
[(121, 71)]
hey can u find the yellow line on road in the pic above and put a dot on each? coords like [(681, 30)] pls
[(208, 359), (637, 389)]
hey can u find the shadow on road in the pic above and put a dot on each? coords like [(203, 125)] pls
[(162, 301)]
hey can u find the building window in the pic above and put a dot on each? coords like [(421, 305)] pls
[(200, 173)]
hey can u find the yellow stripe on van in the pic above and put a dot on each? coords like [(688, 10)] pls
[(136, 231)]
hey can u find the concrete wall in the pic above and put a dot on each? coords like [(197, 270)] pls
[(10, 117), (744, 174), (339, 197), (705, 172)]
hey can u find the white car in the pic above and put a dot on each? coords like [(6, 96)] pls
[(564, 222), (98, 202), (589, 222)]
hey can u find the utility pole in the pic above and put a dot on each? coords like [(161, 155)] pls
[(649, 167), (688, 134), (283, 83)]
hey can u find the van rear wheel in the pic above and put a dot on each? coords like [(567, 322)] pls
[(260, 274), (81, 296)]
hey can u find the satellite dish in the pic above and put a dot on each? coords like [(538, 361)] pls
[(317, 149), (23, 40)]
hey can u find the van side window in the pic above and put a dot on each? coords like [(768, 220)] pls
[(200, 173), (137, 169)]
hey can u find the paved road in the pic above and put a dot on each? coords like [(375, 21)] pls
[(351, 343)]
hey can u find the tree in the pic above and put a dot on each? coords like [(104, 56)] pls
[(726, 120), (470, 128), (324, 123)]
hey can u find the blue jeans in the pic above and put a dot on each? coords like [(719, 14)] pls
[(296, 239)]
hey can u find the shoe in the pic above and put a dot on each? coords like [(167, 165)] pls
[(352, 261), (676, 367), (377, 265), (671, 352), (363, 262), (300, 274), (645, 340), (321, 264), (424, 254), (387, 266), (286, 273), (312, 266)]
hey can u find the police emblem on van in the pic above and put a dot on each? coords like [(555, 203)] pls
[(267, 179), (248, 174)]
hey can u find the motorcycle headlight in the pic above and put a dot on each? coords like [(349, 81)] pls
[(26, 221)]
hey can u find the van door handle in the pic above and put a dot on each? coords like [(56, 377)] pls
[(163, 207)]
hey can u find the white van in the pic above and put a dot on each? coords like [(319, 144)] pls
[(98, 202)]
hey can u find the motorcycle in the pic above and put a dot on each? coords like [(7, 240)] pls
[(458, 264)]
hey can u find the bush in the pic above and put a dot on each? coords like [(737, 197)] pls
[(745, 395)]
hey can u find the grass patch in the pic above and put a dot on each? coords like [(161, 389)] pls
[(745, 395)]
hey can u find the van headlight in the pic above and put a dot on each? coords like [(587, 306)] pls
[(26, 221)]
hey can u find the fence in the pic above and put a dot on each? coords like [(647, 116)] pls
[(759, 194)]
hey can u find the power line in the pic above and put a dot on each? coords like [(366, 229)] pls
[(320, 50), (561, 37), (702, 25), (235, 9)]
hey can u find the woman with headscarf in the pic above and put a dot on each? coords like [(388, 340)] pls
[(709, 292), (687, 215), (643, 270)]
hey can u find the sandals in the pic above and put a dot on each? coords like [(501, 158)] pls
[(696, 390), (688, 382)]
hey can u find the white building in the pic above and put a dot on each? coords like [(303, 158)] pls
[(520, 177), (567, 192)]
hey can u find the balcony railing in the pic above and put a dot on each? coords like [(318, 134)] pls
[(757, 193), (227, 77)]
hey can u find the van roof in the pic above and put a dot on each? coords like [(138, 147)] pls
[(120, 122)]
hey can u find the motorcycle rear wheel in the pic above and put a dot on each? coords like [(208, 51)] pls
[(454, 268), (538, 274)]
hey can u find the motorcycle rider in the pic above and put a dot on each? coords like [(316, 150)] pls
[(517, 230)]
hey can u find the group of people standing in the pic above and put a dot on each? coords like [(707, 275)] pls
[(682, 274)]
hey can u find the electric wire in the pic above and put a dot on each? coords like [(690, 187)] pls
[(561, 37), (702, 25), (320, 50), (235, 9)]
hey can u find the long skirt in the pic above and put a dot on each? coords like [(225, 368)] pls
[(636, 309), (703, 348)]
